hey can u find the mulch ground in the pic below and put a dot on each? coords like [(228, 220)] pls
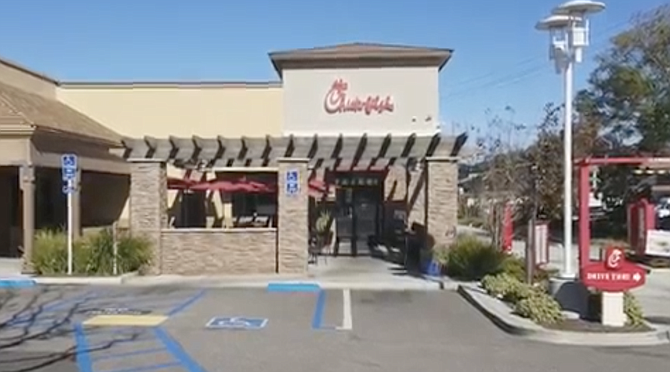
[(580, 325)]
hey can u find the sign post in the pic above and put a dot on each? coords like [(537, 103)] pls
[(613, 277), (69, 169)]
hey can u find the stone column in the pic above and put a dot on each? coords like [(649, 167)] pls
[(442, 200), (395, 183), (416, 199), (292, 218), (27, 184), (76, 206), (148, 205)]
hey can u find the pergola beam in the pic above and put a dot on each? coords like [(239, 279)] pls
[(346, 152)]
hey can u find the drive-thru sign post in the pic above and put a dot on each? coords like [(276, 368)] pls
[(613, 276)]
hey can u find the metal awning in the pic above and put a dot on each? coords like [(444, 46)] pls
[(334, 152)]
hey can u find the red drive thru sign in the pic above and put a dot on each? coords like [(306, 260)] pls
[(615, 274)]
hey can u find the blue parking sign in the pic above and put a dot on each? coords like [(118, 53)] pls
[(291, 175), (68, 164), (292, 184), (68, 161)]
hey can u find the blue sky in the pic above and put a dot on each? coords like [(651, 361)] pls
[(499, 60)]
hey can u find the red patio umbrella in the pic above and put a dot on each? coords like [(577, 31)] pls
[(179, 183), (216, 185)]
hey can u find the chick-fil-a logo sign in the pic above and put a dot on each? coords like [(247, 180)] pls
[(337, 101)]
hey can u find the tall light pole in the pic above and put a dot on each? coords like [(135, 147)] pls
[(568, 28)]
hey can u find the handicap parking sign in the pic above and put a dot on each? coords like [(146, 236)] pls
[(292, 185), (237, 322)]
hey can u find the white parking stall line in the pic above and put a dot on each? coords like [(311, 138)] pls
[(347, 321)]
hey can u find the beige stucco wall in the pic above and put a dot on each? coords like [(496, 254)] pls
[(161, 110), (183, 110), (413, 91), (13, 149), (17, 76)]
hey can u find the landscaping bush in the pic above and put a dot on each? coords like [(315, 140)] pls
[(50, 252), (134, 253), (506, 287), (519, 291), (516, 267), (498, 285), (540, 308), (470, 258), (92, 254), (633, 310)]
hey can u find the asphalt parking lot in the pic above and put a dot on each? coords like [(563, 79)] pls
[(124, 329)]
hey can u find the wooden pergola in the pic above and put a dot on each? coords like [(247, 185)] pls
[(334, 152)]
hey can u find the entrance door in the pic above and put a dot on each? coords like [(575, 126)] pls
[(359, 207), (366, 218)]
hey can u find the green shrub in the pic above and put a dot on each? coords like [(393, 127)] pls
[(470, 258), (440, 254), (498, 285), (519, 291), (135, 253), (540, 308), (516, 267), (633, 310), (92, 254), (507, 287), (50, 252)]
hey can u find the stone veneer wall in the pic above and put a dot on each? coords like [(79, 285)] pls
[(219, 251), (395, 183), (293, 219), (148, 205), (416, 197), (442, 200)]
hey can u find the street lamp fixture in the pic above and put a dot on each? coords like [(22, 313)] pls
[(568, 28)]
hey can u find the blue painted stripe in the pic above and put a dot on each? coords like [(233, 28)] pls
[(317, 319), (177, 351), (83, 357), (146, 368), (181, 307), (293, 287), (129, 354), (17, 283)]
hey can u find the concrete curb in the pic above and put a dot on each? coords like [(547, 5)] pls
[(424, 285), (501, 315), (134, 280), (83, 280)]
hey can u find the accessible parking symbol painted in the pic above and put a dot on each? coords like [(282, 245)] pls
[(241, 323)]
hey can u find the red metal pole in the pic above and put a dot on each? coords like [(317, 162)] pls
[(584, 189)]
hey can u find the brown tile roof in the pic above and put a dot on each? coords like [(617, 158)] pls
[(18, 107)]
